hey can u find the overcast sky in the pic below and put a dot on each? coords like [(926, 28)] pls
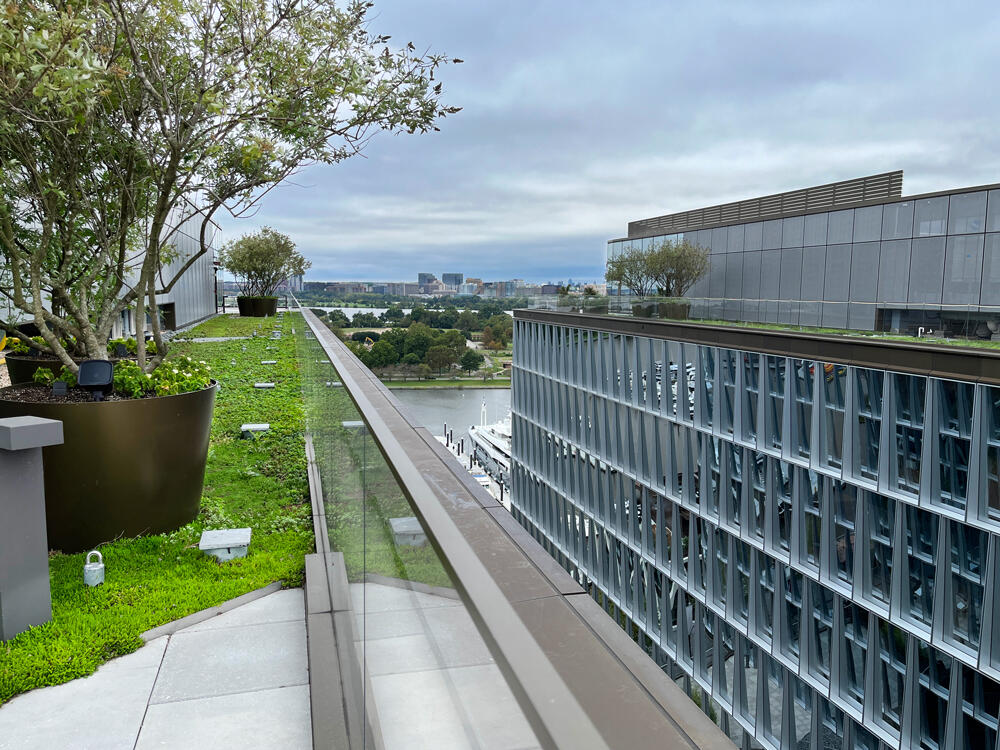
[(581, 116)]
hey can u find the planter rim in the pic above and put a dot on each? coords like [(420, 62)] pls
[(213, 385)]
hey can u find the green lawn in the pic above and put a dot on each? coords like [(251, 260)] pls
[(153, 580), (231, 325)]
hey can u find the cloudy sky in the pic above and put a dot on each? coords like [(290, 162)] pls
[(581, 116)]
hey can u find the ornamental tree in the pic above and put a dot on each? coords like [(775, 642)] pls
[(126, 119), (261, 261)]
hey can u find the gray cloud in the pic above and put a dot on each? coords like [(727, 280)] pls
[(580, 117)]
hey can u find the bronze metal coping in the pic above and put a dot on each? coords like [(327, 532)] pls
[(579, 679), (937, 360)]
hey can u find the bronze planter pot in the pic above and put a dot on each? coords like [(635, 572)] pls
[(257, 307), (21, 369), (126, 468)]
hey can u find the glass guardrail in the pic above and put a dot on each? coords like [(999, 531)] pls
[(429, 679)]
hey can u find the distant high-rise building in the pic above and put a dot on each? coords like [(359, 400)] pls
[(453, 280), (425, 278)]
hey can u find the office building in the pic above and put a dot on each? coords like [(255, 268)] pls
[(802, 529), (853, 254), (425, 278), (452, 280)]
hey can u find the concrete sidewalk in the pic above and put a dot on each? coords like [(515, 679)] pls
[(239, 679)]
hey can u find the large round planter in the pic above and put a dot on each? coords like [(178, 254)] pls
[(21, 369), (674, 310), (257, 307), (125, 468)]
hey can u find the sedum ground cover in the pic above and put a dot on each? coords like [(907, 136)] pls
[(153, 580)]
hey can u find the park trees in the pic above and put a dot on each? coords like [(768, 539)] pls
[(440, 357), (125, 120), (471, 360)]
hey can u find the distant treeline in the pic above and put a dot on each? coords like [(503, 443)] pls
[(368, 299), (495, 325)]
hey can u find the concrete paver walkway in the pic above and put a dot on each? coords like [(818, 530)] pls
[(239, 679), (434, 682)]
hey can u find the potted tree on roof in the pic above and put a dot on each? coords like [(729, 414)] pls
[(261, 262), (124, 122)]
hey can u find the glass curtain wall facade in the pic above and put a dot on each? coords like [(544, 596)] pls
[(808, 547), (931, 261)]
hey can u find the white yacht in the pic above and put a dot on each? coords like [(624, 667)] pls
[(491, 447)]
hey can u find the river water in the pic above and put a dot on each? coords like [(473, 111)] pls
[(460, 408), (350, 312)]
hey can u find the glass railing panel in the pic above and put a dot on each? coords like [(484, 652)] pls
[(429, 678)]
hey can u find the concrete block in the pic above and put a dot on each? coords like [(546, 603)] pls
[(225, 544), (407, 531), (21, 433)]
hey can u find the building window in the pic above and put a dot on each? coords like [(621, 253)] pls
[(727, 364), (721, 566), (751, 390), (880, 521), (834, 379), (980, 709), (783, 504), (793, 611), (892, 674), (852, 673), (843, 501), (955, 401), (968, 553), (773, 707), (993, 448), (707, 384), (702, 532), (821, 630), (803, 388), (909, 390), (810, 489), (714, 477), (735, 484), (775, 400), (758, 494), (765, 610), (921, 541), (742, 592), (869, 387), (933, 694), (750, 675), (831, 724)]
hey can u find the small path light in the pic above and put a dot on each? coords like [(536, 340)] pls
[(93, 572)]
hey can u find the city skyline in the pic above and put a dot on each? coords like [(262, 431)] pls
[(553, 152)]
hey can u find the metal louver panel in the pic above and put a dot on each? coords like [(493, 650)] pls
[(833, 195)]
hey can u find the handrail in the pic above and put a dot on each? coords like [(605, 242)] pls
[(580, 683)]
